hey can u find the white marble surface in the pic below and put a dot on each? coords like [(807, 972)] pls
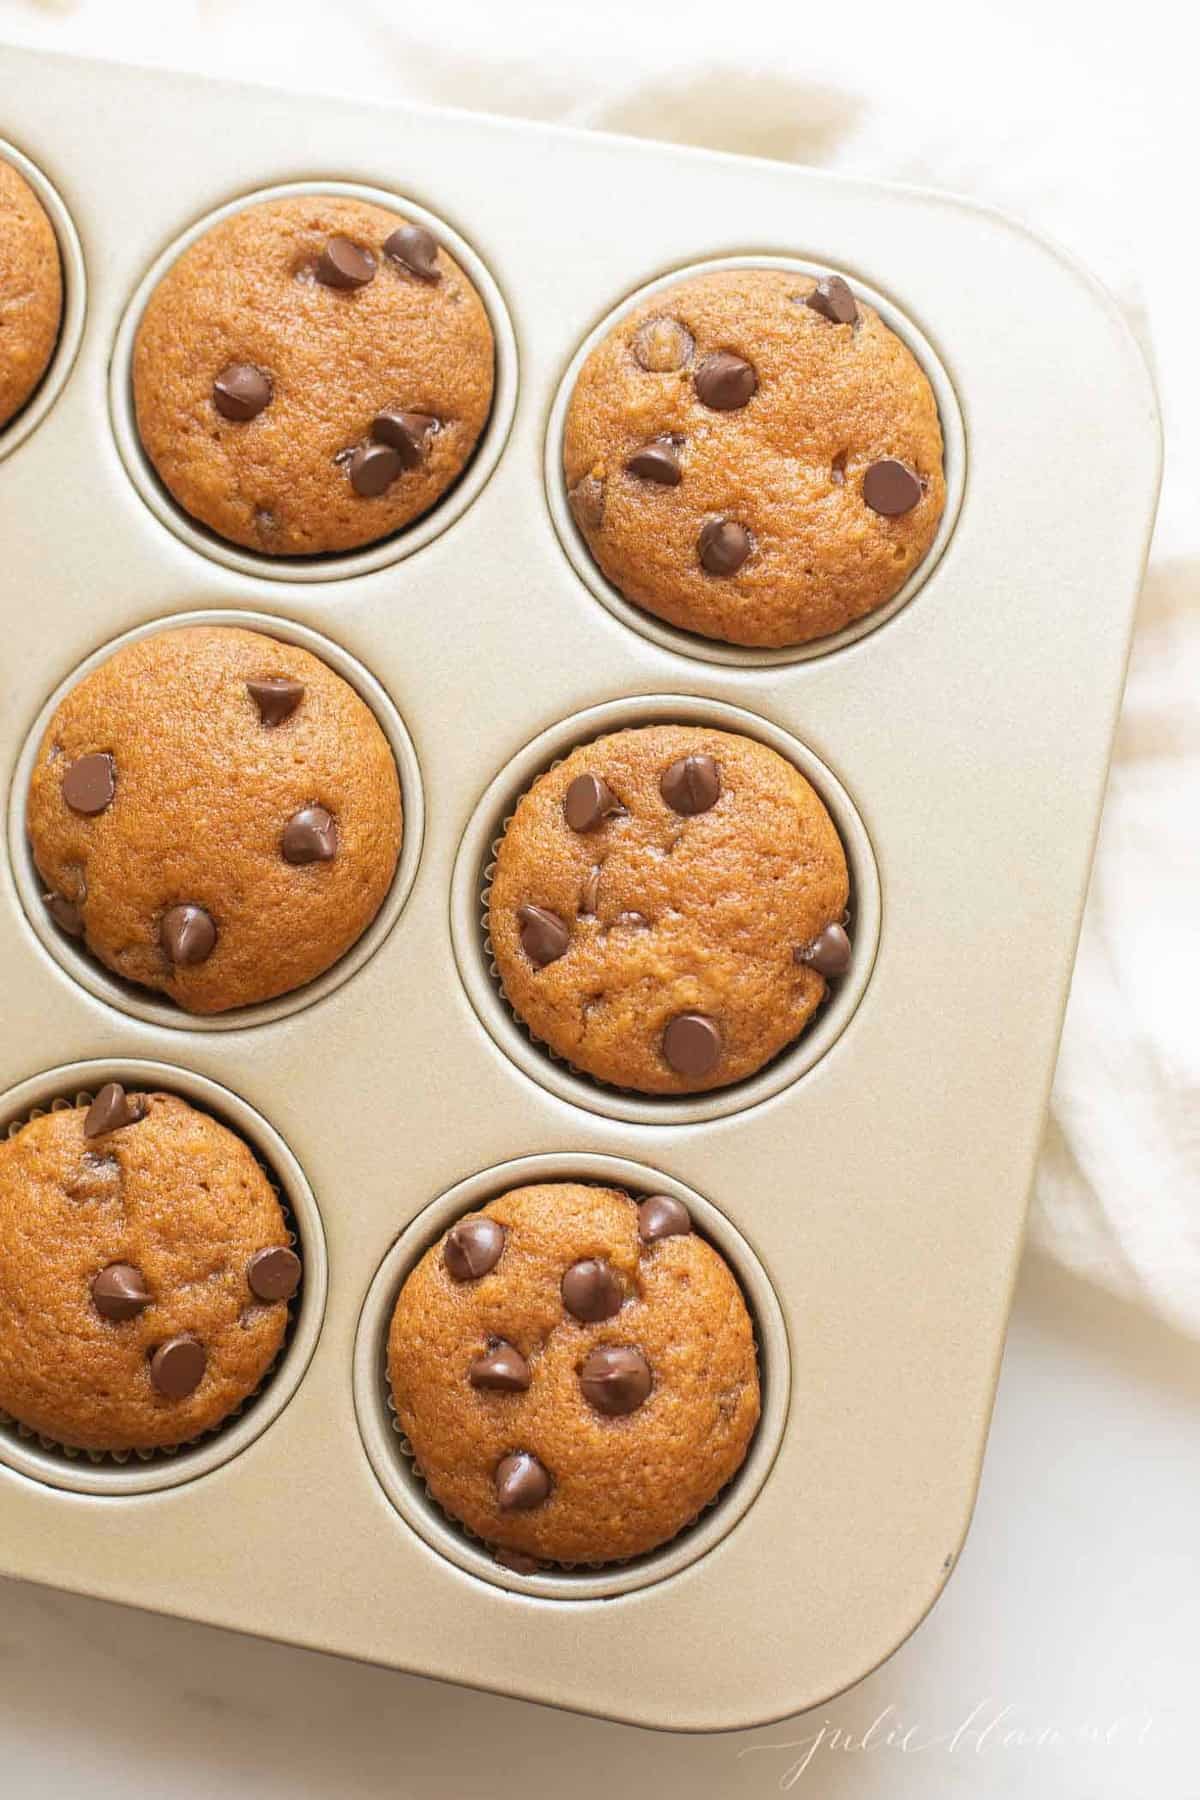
[(1070, 1623)]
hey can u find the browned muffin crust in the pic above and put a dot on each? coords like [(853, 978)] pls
[(181, 1201), (617, 1484), (197, 813), (248, 295), (663, 914), (31, 292), (799, 408)]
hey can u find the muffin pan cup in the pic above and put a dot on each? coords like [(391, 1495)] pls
[(689, 643), (393, 1460), (150, 1471), (144, 1003), (336, 565), (475, 865), (74, 308), (880, 1187)]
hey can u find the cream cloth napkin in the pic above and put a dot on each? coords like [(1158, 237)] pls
[(1070, 114)]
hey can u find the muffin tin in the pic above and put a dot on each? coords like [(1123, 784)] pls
[(870, 1186)]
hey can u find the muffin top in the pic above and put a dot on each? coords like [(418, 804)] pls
[(312, 374), (754, 456), (667, 907), (145, 1270), (575, 1372), (31, 291), (216, 813)]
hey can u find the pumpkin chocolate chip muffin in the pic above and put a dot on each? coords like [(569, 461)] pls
[(754, 456), (668, 907), (145, 1270), (312, 374), (216, 814), (575, 1372), (31, 292)]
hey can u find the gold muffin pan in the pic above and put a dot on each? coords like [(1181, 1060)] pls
[(869, 1186)]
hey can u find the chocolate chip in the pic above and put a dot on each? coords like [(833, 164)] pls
[(521, 1482), (588, 801), (833, 300), (891, 487), (661, 346), (586, 500), (344, 264), (661, 1216), (373, 468), (273, 1273), (615, 1379), (120, 1292), (658, 462), (692, 1044), (188, 935), (276, 697), (241, 391), (723, 546), (309, 836), (65, 913), (407, 433), (691, 785), (415, 249), (829, 952), (472, 1247), (177, 1367), (544, 937), (111, 1110), (591, 1291), (90, 782), (502, 1368), (725, 382)]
